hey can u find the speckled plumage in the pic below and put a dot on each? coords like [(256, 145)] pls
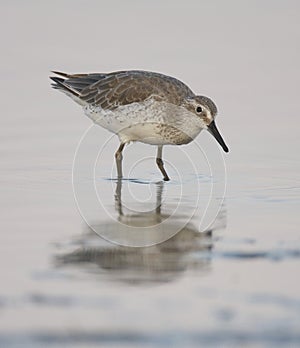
[(141, 106)]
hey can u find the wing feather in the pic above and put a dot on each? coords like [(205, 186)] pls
[(112, 90)]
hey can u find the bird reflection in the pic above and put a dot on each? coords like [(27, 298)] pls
[(163, 262), (148, 218)]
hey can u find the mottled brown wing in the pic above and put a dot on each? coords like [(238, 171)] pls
[(126, 87)]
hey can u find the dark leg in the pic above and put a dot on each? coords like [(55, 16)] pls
[(160, 163), (119, 157)]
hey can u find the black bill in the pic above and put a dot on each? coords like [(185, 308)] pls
[(212, 128)]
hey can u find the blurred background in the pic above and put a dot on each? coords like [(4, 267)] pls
[(234, 284)]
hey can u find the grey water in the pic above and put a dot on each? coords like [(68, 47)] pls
[(210, 258)]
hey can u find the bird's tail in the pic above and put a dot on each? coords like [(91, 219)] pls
[(61, 83)]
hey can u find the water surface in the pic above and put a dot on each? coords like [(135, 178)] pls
[(233, 284)]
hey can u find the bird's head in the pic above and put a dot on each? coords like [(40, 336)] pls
[(205, 109)]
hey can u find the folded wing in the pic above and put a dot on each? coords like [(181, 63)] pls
[(112, 90)]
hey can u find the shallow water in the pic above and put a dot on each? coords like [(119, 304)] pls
[(233, 284)]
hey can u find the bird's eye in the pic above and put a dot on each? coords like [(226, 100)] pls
[(199, 109)]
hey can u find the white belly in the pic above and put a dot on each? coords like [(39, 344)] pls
[(151, 122)]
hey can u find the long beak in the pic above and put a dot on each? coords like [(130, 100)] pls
[(212, 128)]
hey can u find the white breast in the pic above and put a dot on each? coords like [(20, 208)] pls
[(142, 121)]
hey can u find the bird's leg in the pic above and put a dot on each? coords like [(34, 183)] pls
[(119, 157), (160, 163)]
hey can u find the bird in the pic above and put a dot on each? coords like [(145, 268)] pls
[(141, 106)]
